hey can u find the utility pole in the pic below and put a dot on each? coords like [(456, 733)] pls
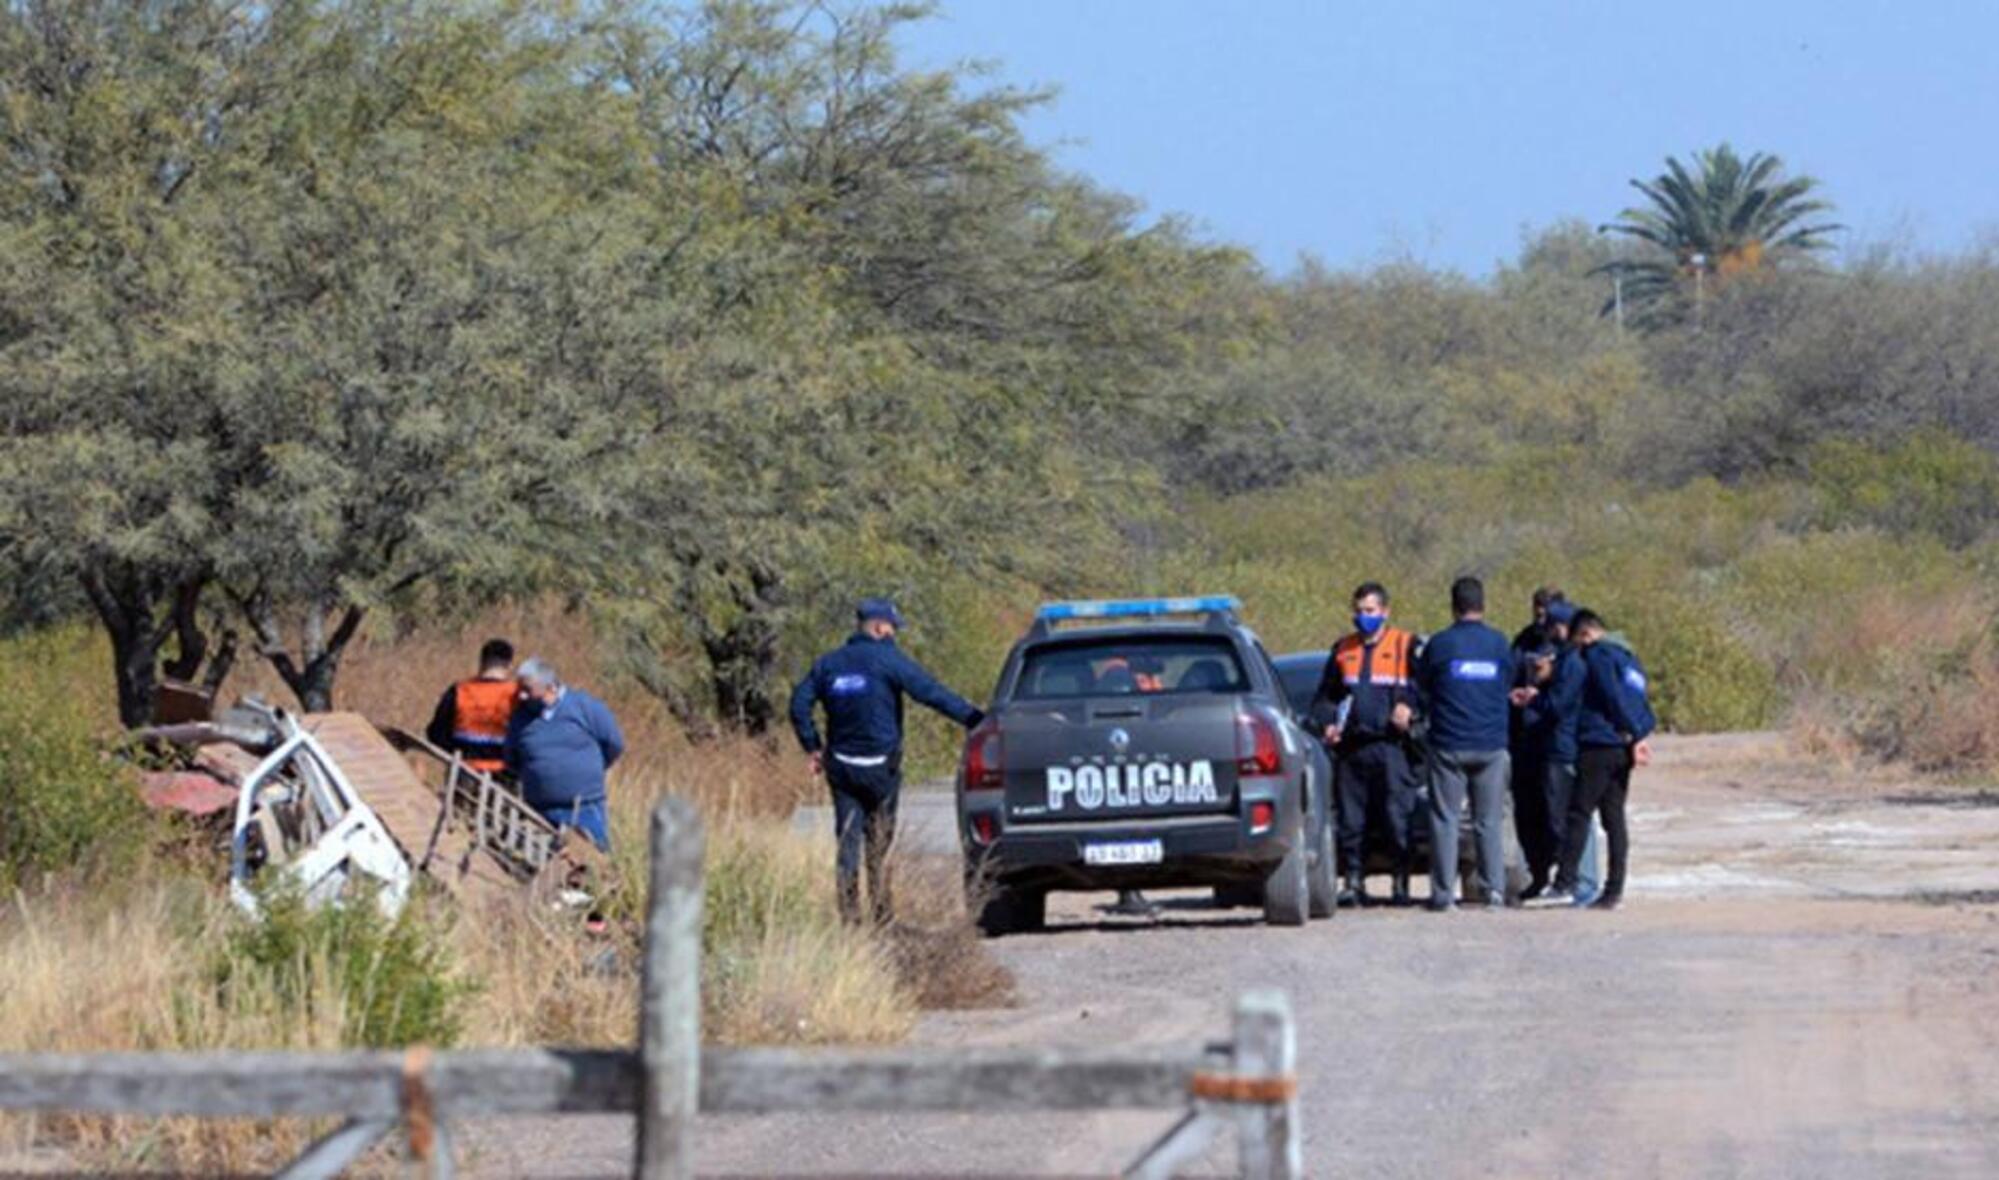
[(1700, 275), (1617, 298)]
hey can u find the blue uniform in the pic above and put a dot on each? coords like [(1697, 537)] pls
[(1463, 678), (1614, 710), (861, 684), (1465, 673), (1549, 720), (1544, 781), (559, 754), (1612, 716)]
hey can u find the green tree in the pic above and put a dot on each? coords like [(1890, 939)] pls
[(1724, 217), (284, 300)]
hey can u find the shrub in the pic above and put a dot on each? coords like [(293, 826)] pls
[(1918, 686), (1930, 482), (63, 802), (384, 982), (780, 965)]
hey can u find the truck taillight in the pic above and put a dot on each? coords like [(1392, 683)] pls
[(1261, 817), (1257, 752), (985, 828), (985, 769)]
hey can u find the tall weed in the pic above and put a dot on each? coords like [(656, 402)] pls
[(64, 803)]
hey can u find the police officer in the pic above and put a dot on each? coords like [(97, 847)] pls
[(1613, 723), (471, 717), (1363, 708), (861, 685), (1534, 636), (1556, 710), (1465, 679)]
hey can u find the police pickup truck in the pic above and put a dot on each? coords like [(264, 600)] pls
[(1136, 745)]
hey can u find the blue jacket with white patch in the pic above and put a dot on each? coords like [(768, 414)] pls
[(1614, 710), (1553, 714), (1465, 674), (861, 685)]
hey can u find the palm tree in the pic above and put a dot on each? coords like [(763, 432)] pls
[(1726, 217)]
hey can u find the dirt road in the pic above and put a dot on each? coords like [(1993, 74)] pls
[(1804, 982)]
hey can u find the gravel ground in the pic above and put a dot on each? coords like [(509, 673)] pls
[(1804, 982)]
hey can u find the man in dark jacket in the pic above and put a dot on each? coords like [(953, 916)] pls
[(1534, 636), (1363, 709), (1544, 760), (861, 686), (1613, 723), (1465, 679)]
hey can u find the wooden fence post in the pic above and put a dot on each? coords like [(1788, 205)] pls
[(1266, 1047), (670, 997)]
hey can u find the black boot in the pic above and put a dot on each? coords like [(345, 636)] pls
[(1349, 895), (1400, 896), (1357, 885), (1135, 904)]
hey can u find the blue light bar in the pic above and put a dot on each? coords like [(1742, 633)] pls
[(1136, 608)]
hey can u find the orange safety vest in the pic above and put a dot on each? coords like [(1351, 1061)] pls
[(480, 712), (1390, 666)]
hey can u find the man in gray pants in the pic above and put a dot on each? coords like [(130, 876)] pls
[(1466, 677)]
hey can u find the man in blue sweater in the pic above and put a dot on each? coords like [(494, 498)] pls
[(1466, 679), (561, 741), (1613, 723), (861, 685)]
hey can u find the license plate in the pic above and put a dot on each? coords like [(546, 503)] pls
[(1124, 852)]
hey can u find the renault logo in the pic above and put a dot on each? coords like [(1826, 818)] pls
[(1120, 740)]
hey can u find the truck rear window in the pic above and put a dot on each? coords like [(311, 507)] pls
[(1130, 667)]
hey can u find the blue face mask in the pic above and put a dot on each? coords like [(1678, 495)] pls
[(1368, 624)]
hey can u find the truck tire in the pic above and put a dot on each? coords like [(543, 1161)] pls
[(1286, 893), (1321, 882), (1009, 910)]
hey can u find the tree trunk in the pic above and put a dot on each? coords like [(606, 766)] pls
[(128, 605), (193, 641), (134, 661), (312, 673), (742, 659)]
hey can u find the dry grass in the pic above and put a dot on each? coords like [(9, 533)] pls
[(100, 965), (1914, 683), (132, 969), (91, 973), (396, 680)]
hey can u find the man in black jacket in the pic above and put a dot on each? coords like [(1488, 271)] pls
[(861, 685), (1363, 711)]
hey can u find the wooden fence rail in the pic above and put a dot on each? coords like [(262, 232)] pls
[(1247, 1082)]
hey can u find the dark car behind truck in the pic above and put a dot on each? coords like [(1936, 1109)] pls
[(1139, 745)]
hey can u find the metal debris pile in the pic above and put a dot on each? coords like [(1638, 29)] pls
[(331, 801)]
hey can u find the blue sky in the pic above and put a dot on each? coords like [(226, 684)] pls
[(1360, 130)]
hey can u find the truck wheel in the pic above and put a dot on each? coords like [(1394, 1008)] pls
[(1321, 882), (1009, 910), (1286, 894)]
